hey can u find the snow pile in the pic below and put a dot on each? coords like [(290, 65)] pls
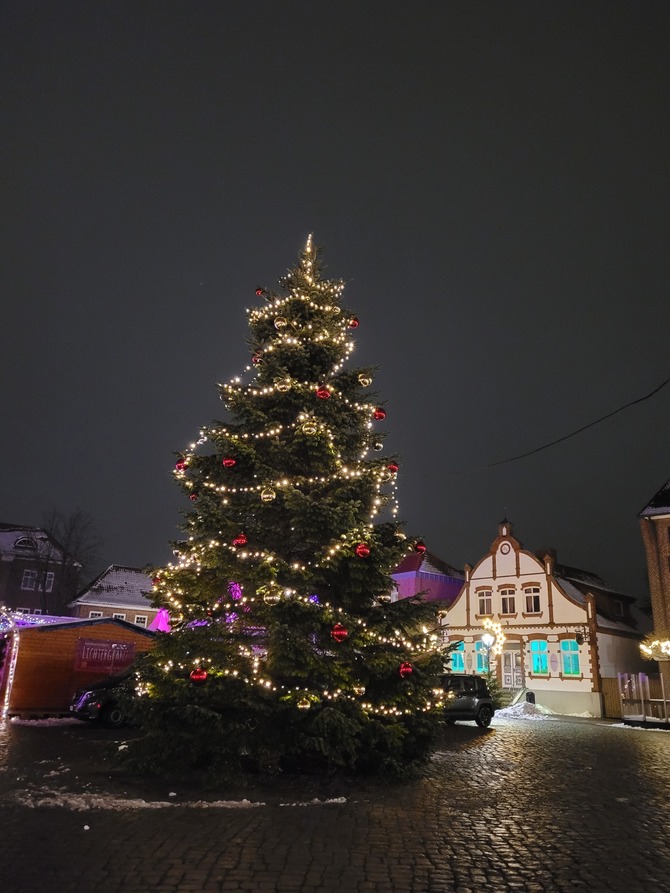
[(85, 802), (623, 725), (49, 721), (317, 802), (525, 710)]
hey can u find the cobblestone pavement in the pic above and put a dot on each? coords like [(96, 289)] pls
[(525, 806)]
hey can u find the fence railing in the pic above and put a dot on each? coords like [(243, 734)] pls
[(643, 698)]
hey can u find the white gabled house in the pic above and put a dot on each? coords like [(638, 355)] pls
[(558, 631)]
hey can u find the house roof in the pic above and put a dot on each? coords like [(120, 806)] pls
[(45, 544), (118, 586), (659, 504), (96, 621), (427, 563), (588, 581), (640, 621)]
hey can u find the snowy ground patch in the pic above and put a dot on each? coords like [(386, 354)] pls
[(47, 721), (525, 710), (623, 725), (86, 802)]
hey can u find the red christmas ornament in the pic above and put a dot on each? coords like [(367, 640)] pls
[(362, 550), (193, 497), (405, 670), (229, 462), (323, 392), (353, 322), (260, 291), (240, 540), (256, 359), (392, 467), (379, 414), (420, 547), (181, 465), (339, 632), (156, 581), (198, 676)]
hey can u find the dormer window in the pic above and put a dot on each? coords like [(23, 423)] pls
[(25, 542)]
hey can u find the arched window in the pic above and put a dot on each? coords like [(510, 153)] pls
[(25, 542), (570, 657), (538, 657), (458, 658)]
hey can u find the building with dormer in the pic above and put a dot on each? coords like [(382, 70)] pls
[(557, 631), (37, 575)]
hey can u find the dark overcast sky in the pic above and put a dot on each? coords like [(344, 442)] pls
[(492, 180)]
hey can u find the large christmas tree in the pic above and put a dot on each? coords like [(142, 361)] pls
[(286, 649)]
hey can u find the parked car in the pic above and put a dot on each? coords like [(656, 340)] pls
[(467, 697), (102, 702)]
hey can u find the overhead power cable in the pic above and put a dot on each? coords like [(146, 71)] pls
[(573, 433)]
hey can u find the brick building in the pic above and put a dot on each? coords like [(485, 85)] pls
[(655, 528), (122, 593), (37, 575)]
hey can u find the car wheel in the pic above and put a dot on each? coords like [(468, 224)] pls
[(484, 717), (112, 716)]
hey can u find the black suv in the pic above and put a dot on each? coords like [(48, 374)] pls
[(467, 697), (102, 701)]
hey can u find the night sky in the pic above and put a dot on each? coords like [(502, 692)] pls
[(491, 179)]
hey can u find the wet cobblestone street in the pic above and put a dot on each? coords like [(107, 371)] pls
[(525, 806)]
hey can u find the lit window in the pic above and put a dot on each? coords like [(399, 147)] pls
[(570, 655), (92, 615), (482, 653), (29, 580), (538, 654), (141, 619), (457, 658), (507, 600), (485, 602), (532, 600)]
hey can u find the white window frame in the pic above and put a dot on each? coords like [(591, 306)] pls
[(49, 578), (507, 601), (29, 576), (94, 615), (485, 602), (532, 594), (118, 616), (141, 619)]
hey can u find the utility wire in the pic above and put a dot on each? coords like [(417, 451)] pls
[(573, 433)]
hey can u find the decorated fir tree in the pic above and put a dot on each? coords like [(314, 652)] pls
[(286, 649)]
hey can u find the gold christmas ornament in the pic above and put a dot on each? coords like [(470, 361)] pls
[(271, 593), (268, 494), (365, 380)]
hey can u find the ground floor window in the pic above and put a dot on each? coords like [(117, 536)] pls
[(538, 655), (458, 658), (570, 655), (482, 654)]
